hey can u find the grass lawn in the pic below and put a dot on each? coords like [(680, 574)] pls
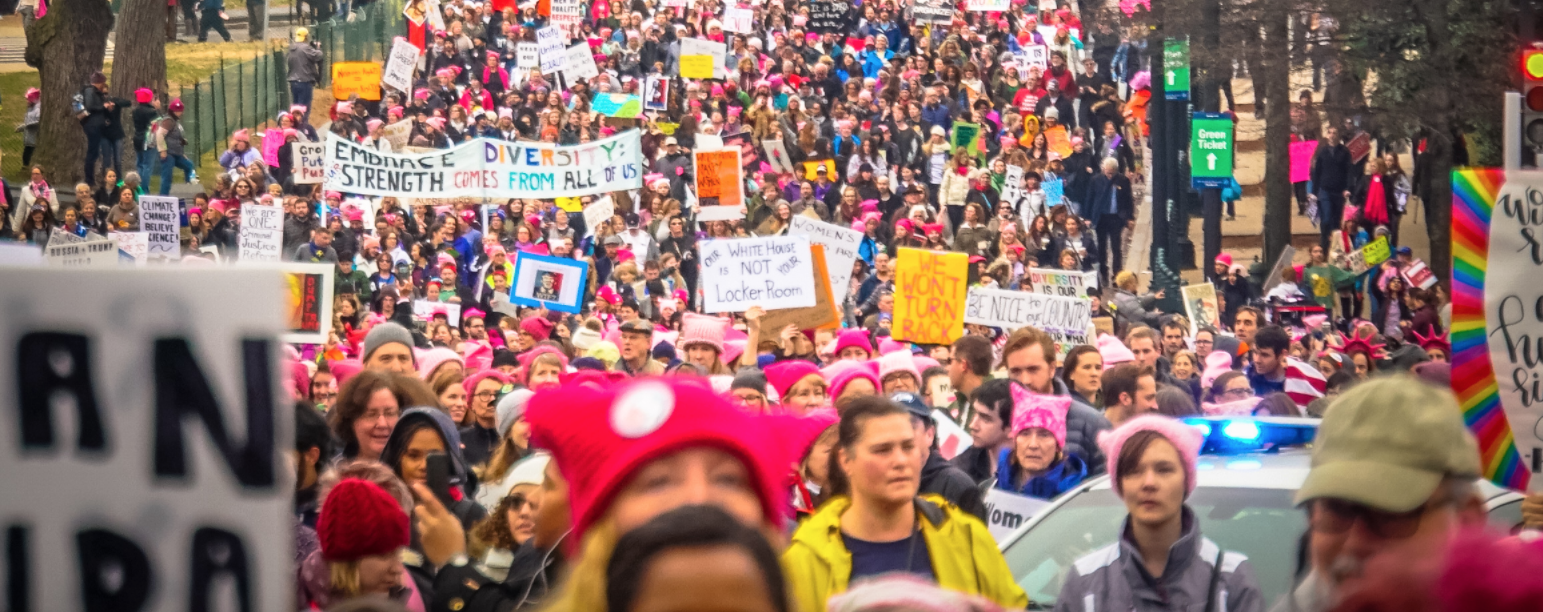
[(11, 113)]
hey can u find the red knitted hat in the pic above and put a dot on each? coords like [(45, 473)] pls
[(359, 519), (601, 434)]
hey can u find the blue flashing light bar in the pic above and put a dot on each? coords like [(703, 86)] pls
[(1230, 435)]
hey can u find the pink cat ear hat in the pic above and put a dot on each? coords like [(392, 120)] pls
[(1185, 438)]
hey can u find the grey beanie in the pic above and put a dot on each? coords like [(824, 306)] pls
[(386, 333), (510, 408)]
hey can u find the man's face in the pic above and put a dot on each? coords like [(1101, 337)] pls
[(1245, 325), (477, 329), (1031, 369), (1346, 535), (1173, 340), (1146, 395), (1203, 344), (323, 239), (1145, 351), (1267, 361), (634, 346), (392, 357)]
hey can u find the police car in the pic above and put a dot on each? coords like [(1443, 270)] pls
[(1248, 472)]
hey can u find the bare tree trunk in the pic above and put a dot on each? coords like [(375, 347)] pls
[(139, 60), (1276, 79), (1439, 224), (66, 46)]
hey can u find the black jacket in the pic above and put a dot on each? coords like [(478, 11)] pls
[(1083, 422), (941, 477), (1331, 167), (979, 464), (1099, 192)]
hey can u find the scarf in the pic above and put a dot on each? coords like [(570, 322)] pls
[(1376, 202)]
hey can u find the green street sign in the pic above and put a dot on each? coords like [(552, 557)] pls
[(1210, 150), (1176, 68)]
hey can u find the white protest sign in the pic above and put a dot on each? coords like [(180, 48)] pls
[(840, 250), (719, 213), (144, 462), (773, 272), (567, 14), (1513, 326), (424, 309), (134, 244), (777, 154), (952, 439), (712, 49), (1012, 186), (309, 162), (552, 46), (740, 20), (1006, 512), (1036, 55), (988, 5), (1067, 319), (95, 254), (59, 236), (262, 233), (596, 213), (527, 55), (399, 68), (579, 63), (1062, 282), (160, 218)]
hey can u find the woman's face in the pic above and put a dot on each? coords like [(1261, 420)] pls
[(453, 398), (692, 476), (807, 393), (1089, 375), (858, 387), (379, 574), (482, 399), (900, 381), (1035, 449), (1236, 389), (1183, 366), (373, 427), (1362, 366), (415, 458), (543, 375), (1068, 261), (884, 463), (1154, 490), (522, 516), (702, 355)]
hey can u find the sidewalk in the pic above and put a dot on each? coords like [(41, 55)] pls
[(13, 41)]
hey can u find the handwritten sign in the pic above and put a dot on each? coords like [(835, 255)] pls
[(309, 162), (527, 55), (160, 220), (262, 233), (822, 315), (840, 249), (1006, 512), (1367, 257), (988, 5), (598, 212), (1513, 327), (579, 63), (552, 46), (929, 296), (772, 272), (1067, 319), (1070, 283), (362, 78), (739, 20), (134, 245), (567, 14), (830, 16), (400, 67), (718, 181), (700, 59)]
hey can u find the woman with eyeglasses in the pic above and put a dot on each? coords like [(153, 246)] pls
[(479, 427), (511, 522), (1231, 386), (1161, 560)]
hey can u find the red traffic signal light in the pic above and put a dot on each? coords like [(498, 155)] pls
[(1532, 64)]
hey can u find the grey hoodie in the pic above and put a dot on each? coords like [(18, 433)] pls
[(1115, 578)]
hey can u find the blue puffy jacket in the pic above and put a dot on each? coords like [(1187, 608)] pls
[(1065, 474)]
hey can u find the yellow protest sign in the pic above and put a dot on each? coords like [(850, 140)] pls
[(570, 204), (812, 167), (696, 66), (929, 296), (668, 129), (349, 78), (1376, 251)]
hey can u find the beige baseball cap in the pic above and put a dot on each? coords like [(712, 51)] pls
[(1388, 443)]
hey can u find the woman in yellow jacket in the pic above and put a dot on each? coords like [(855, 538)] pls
[(877, 524)]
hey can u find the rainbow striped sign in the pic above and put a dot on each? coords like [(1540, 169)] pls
[(1474, 192)]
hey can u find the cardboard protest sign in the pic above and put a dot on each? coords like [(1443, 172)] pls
[(777, 156), (598, 212), (1302, 160), (840, 250), (718, 178), (362, 78), (554, 283), (1036, 56), (145, 466), (160, 220), (1202, 306), (812, 168), (1006, 512), (1067, 319), (310, 162), (308, 298), (965, 135), (952, 439), (485, 168), (1070, 283), (656, 94), (262, 233), (552, 46), (94, 254), (400, 66), (822, 315), (772, 272), (929, 296)]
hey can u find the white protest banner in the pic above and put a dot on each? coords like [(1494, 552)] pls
[(144, 462), (527, 55), (1062, 282), (739, 20), (840, 250), (95, 254), (552, 45), (310, 160), (134, 244), (952, 439), (596, 213), (399, 68), (773, 272), (579, 63), (160, 220), (1012, 186), (485, 168), (1067, 319), (1006, 512), (988, 5), (262, 233), (425, 310)]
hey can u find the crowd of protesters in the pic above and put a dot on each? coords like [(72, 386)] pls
[(643, 455)]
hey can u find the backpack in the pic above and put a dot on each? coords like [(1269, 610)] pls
[(78, 105)]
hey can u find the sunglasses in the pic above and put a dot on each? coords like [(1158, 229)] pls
[(1337, 516)]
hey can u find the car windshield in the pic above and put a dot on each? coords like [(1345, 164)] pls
[(1260, 523)]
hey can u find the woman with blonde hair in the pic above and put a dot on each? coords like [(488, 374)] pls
[(452, 397)]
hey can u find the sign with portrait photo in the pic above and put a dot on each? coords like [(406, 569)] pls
[(1201, 304), (554, 283)]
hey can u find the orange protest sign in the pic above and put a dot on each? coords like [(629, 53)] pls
[(1057, 140), (349, 78), (812, 167), (718, 180), (929, 296)]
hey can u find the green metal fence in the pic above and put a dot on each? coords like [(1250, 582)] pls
[(251, 93)]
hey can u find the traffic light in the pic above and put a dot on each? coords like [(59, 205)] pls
[(1532, 98)]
